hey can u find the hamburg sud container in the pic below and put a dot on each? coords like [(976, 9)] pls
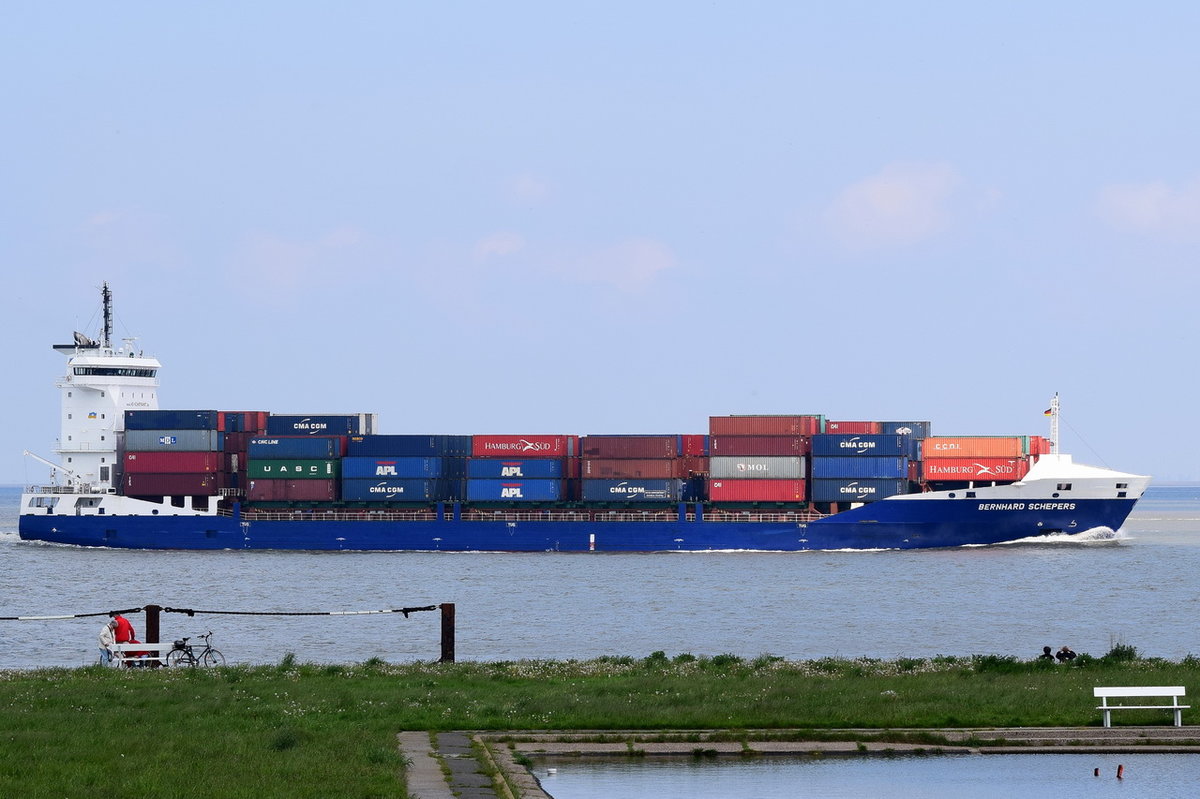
[(751, 467), (294, 469), (657, 468), (396, 489), (292, 490), (182, 439), (856, 490), (159, 462), (803, 425), (632, 490), (530, 446), (354, 424), (296, 447), (975, 447), (415, 446), (515, 468), (507, 490), (381, 468), (983, 469), (860, 467), (651, 446), (756, 490), (760, 445)]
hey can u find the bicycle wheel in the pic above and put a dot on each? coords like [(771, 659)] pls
[(180, 657), (212, 657)]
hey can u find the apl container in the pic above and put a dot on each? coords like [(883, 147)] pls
[(978, 469), (530, 446), (858, 466), (631, 490), (292, 490), (760, 445), (172, 420), (515, 468), (484, 490), (355, 424), (414, 446), (621, 468), (651, 446), (173, 462), (396, 490), (172, 485), (856, 490), (296, 447), (754, 467), (382, 468), (293, 469), (180, 440), (803, 425), (756, 490)]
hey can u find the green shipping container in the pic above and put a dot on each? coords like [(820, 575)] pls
[(293, 469)]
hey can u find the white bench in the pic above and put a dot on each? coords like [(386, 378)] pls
[(123, 653), (1175, 692)]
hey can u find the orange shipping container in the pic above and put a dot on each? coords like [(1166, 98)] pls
[(974, 447)]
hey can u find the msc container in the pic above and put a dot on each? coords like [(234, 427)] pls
[(395, 490), (979, 469), (856, 490), (862, 445), (755, 467), (173, 485), (802, 425), (975, 447), (355, 424), (292, 490), (296, 446), (618, 468), (653, 446), (293, 469), (760, 445), (183, 439), (912, 429), (631, 490), (415, 446), (485, 490), (515, 468), (172, 420), (860, 428), (860, 467), (532, 446), (756, 490), (173, 462), (379, 468)]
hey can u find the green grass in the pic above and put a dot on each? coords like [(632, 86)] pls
[(301, 730)]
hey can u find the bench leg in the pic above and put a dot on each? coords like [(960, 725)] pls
[(1107, 717), (1178, 717)]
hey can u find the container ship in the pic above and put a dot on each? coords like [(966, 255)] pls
[(133, 475)]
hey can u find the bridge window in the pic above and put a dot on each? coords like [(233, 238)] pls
[(1064, 486)]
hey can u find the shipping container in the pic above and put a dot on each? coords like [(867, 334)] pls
[(803, 425), (296, 446), (631, 490), (293, 469), (756, 490), (199, 484), (858, 428), (975, 447), (236, 442), (693, 465), (760, 445), (292, 490), (180, 440), (516, 468), (695, 444), (170, 462), (912, 429), (863, 446), (531, 446), (650, 446), (356, 424), (856, 490), (172, 420), (1040, 446), (977, 469), (404, 468), (414, 446), (619, 468), (252, 422), (748, 466), (486, 490), (397, 490), (871, 467)]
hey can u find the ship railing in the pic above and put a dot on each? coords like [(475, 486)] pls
[(525, 516), (319, 515), (636, 516), (763, 516), (63, 490)]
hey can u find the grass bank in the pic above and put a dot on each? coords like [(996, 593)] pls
[(298, 730)]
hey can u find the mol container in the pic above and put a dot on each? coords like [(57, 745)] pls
[(978, 469), (293, 469), (756, 490), (531, 446), (755, 467), (631, 490), (488, 490), (803, 425), (354, 424), (856, 490), (413, 446), (664, 446), (394, 489), (292, 490), (975, 447), (173, 462), (404, 468), (760, 445), (296, 446), (182, 440), (516, 468), (870, 467)]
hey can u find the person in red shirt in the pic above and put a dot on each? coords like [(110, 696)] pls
[(124, 634)]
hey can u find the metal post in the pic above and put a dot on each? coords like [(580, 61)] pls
[(447, 632)]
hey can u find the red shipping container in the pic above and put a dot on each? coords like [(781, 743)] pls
[(1040, 446), (170, 462), (535, 446), (692, 465), (756, 490), (173, 485), (805, 425), (780, 446), (695, 444), (666, 446), (621, 468), (978, 469), (856, 428), (292, 490)]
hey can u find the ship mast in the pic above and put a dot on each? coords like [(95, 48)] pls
[(1054, 424), (106, 334)]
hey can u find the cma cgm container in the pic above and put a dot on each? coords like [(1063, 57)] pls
[(174, 485), (405, 468), (760, 445), (415, 446), (975, 447), (803, 425), (860, 467), (296, 447), (756, 490), (754, 467), (292, 490), (355, 424), (183, 439), (631, 490), (870, 428), (173, 420), (532, 446), (661, 446), (485, 490), (173, 462), (863, 446), (293, 469), (981, 469), (395, 489), (515, 468), (619, 468), (856, 490)]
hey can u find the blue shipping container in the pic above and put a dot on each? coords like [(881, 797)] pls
[(632, 490), (409, 446), (856, 490), (847, 444), (185, 440), (404, 468), (295, 447), (397, 490), (171, 420), (355, 424), (530, 468), (860, 467), (514, 490), (911, 429)]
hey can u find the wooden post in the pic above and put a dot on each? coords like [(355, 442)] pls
[(152, 616), (447, 632)]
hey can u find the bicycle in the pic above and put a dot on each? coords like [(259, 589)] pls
[(184, 654)]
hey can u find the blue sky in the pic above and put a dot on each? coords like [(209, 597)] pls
[(615, 217)]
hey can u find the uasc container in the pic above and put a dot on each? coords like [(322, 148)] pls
[(294, 469)]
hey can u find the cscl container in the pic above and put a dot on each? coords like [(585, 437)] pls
[(856, 490), (415, 446), (173, 485), (977, 469), (184, 439), (173, 462), (405, 468), (395, 489), (296, 446), (975, 447), (172, 420), (292, 490), (912, 429), (750, 466), (650, 446), (631, 490), (487, 490), (859, 467), (760, 445), (756, 490), (862, 445), (515, 468), (528, 446), (354, 424), (619, 468), (868, 428), (786, 425), (293, 469)]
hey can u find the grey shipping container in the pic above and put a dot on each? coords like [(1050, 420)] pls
[(767, 468), (180, 440)]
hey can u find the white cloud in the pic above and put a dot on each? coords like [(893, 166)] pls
[(1153, 208), (499, 244), (529, 189), (629, 265), (903, 204)]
